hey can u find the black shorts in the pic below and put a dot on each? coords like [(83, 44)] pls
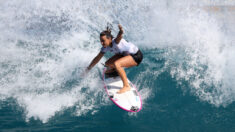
[(137, 57)]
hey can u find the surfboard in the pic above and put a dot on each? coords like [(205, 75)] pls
[(129, 100)]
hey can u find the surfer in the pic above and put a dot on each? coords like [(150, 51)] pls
[(126, 55)]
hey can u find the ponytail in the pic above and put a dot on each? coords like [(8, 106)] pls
[(107, 32)]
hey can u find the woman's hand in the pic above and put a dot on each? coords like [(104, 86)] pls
[(120, 28)]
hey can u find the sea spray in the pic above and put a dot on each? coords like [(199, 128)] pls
[(44, 43)]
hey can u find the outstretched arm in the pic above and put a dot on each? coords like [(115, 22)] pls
[(95, 61), (119, 36)]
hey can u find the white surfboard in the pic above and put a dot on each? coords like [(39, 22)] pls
[(129, 101)]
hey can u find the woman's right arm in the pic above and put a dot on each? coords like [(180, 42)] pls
[(95, 60), (119, 36)]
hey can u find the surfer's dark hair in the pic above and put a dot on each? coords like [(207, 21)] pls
[(107, 33)]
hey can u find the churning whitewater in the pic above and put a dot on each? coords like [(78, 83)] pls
[(46, 45)]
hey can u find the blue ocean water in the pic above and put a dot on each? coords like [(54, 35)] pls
[(186, 79)]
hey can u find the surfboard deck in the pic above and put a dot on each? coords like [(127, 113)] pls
[(129, 101)]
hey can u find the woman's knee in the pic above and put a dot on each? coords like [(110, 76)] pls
[(106, 63), (111, 65), (109, 62), (116, 64)]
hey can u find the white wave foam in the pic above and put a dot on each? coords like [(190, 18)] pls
[(35, 68), (199, 45), (44, 42), (206, 61)]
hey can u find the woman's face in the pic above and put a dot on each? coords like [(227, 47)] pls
[(105, 42)]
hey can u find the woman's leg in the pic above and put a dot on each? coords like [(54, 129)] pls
[(126, 61), (110, 62)]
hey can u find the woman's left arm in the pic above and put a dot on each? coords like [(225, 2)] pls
[(119, 36)]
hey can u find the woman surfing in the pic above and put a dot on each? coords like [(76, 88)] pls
[(126, 55)]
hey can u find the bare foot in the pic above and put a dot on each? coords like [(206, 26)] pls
[(124, 89)]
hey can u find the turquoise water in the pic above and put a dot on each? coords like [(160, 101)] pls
[(186, 78)]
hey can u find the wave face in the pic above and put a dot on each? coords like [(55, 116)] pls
[(188, 64)]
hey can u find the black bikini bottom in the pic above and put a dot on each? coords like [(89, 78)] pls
[(138, 57)]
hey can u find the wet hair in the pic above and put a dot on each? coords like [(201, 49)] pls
[(107, 33)]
